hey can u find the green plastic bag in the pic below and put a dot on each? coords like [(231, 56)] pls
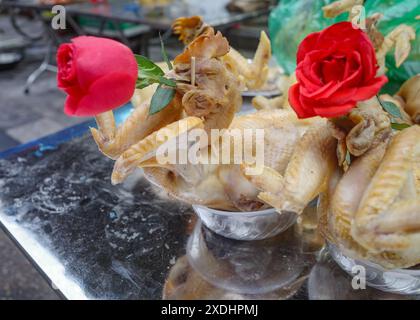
[(292, 20)]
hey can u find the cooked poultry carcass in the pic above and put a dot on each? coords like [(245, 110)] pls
[(345, 195), (375, 208), (254, 74), (409, 93), (282, 132), (306, 175), (225, 186), (208, 88)]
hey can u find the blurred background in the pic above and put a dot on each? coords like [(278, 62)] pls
[(31, 106)]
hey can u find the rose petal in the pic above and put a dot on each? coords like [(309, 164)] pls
[(343, 91), (71, 104), (332, 111), (324, 91), (295, 102), (315, 72), (95, 57), (368, 60), (353, 64), (339, 32), (108, 92), (340, 96), (303, 71), (307, 81), (74, 90), (315, 57), (370, 89), (333, 69), (66, 74), (307, 45)]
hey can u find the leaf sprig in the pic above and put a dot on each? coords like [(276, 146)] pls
[(150, 73), (395, 113), (164, 54)]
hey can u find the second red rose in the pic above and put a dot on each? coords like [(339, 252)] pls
[(336, 68)]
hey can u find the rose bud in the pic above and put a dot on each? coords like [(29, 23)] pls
[(98, 75), (336, 68)]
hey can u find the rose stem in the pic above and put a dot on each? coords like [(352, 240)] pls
[(106, 125)]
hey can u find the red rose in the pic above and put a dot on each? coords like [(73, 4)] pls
[(98, 75), (336, 68)]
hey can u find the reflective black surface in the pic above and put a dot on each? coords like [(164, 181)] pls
[(115, 242)]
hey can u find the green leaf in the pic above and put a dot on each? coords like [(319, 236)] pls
[(145, 82), (390, 107), (348, 157), (150, 73), (164, 54), (147, 67), (161, 98), (168, 82), (399, 126)]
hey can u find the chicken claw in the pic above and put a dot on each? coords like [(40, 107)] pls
[(338, 7), (143, 153), (263, 103), (253, 74), (112, 142), (188, 28), (400, 37)]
